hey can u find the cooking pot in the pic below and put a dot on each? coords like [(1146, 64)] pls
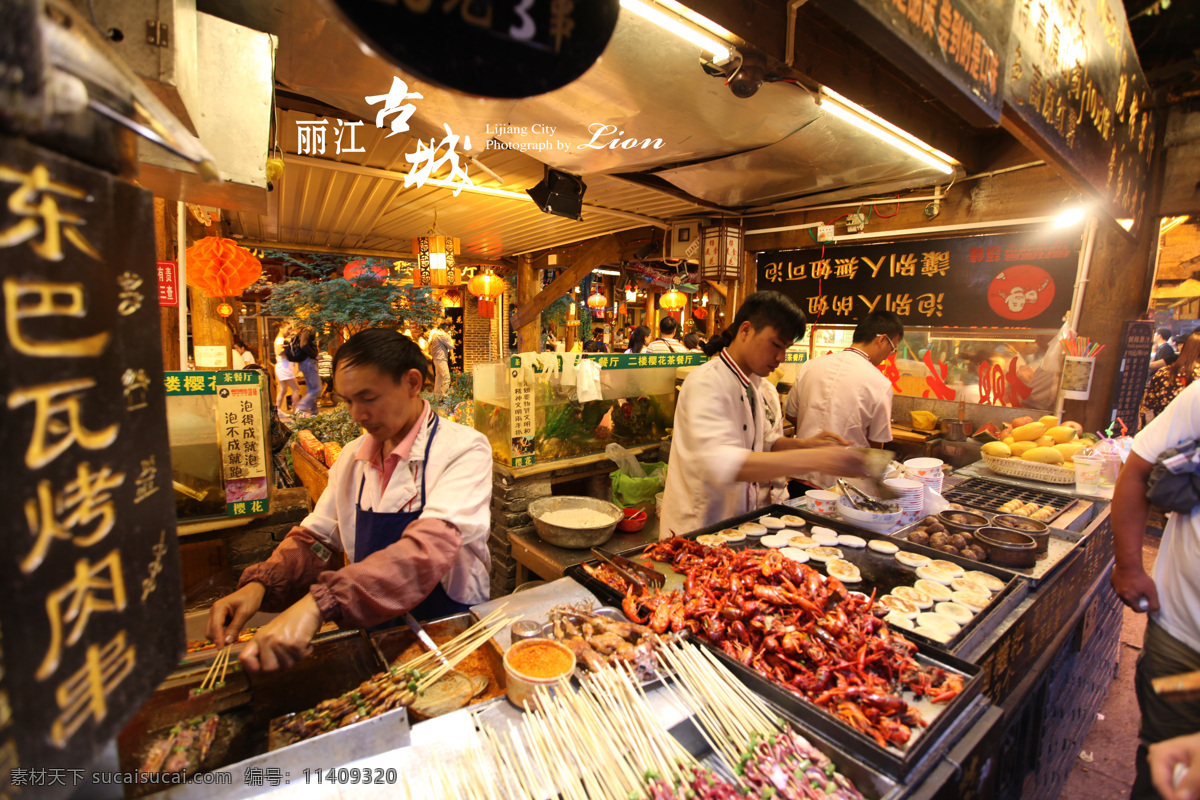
[(955, 430)]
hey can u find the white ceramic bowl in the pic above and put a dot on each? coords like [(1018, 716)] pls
[(868, 519)]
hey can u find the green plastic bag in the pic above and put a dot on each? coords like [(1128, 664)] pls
[(635, 483)]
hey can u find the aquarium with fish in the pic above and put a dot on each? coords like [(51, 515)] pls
[(548, 410)]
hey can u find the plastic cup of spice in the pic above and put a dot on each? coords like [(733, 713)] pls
[(534, 663)]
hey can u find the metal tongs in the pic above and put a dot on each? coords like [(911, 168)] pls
[(860, 499), (631, 571)]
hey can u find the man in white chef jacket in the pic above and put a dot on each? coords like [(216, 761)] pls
[(724, 443), (846, 392)]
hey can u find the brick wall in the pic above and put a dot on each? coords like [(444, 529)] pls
[(510, 499), (479, 334)]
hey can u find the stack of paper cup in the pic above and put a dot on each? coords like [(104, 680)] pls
[(911, 499)]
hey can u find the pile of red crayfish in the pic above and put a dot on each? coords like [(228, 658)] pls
[(799, 628)]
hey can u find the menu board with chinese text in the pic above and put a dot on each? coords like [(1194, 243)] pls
[(243, 444), (1076, 89), (521, 419), (1136, 347), (1019, 280), (90, 601)]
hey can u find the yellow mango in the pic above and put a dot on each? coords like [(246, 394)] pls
[(1069, 449), (1049, 420), (1043, 455), (1044, 441), (1021, 448), (1008, 440), (1061, 434), (1029, 432), (999, 449), (1068, 465)]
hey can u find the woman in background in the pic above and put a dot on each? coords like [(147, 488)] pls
[(285, 371), (1168, 382), (637, 342)]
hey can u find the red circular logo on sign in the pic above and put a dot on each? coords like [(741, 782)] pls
[(1021, 291)]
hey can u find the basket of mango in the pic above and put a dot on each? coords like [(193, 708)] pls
[(1042, 451)]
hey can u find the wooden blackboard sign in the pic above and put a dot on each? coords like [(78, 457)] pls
[(1019, 280), (90, 602), (1076, 94), (955, 48), (1132, 373), (458, 332)]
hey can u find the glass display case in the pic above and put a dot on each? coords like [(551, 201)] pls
[(532, 413), (220, 462)]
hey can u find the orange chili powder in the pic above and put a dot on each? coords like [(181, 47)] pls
[(540, 660)]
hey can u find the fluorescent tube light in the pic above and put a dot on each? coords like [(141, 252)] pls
[(883, 130), (676, 26)]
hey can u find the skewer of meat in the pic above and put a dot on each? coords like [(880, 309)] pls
[(177, 761), (206, 735), (159, 751)]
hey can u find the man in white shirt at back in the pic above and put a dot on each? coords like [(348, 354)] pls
[(845, 392), (666, 342), (1172, 597)]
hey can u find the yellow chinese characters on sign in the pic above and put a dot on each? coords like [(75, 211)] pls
[(75, 602), (35, 200), (49, 299), (51, 435)]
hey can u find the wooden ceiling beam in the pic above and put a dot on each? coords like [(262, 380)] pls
[(594, 254)]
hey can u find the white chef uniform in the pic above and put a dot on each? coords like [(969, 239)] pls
[(846, 394), (720, 418)]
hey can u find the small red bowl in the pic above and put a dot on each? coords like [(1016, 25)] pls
[(635, 520)]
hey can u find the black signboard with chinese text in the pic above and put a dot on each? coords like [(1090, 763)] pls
[(498, 48), (955, 48), (1136, 347), (1075, 92), (90, 602), (1020, 280), (458, 333)]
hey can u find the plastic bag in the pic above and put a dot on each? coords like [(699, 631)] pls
[(587, 381), (635, 483)]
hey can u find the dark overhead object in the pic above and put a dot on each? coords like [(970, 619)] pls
[(492, 48), (560, 194), (750, 72)]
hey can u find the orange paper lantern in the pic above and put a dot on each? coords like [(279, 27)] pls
[(673, 301), (486, 286), (219, 268)]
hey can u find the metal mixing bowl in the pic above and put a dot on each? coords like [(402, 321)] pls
[(574, 538)]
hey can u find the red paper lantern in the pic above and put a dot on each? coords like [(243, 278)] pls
[(700, 313), (358, 273), (486, 286), (225, 309), (219, 268)]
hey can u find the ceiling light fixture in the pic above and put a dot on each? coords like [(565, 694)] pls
[(883, 130), (1170, 223), (605, 272), (707, 43), (1069, 217)]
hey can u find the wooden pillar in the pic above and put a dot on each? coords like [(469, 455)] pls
[(528, 335), (208, 327), (164, 249), (648, 318)]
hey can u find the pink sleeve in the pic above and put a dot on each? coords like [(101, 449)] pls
[(295, 564), (391, 581)]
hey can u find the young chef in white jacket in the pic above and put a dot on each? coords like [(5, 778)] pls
[(724, 443)]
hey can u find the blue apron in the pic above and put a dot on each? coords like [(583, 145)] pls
[(376, 530)]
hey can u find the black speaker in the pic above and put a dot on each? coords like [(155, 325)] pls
[(560, 193)]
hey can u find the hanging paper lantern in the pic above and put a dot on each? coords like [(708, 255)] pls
[(219, 268), (700, 313), (435, 260), (673, 301), (358, 273), (597, 302), (486, 287)]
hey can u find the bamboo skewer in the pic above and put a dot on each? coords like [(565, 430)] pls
[(218, 666)]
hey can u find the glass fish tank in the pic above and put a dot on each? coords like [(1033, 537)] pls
[(545, 411)]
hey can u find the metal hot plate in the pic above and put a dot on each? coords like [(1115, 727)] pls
[(990, 495)]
